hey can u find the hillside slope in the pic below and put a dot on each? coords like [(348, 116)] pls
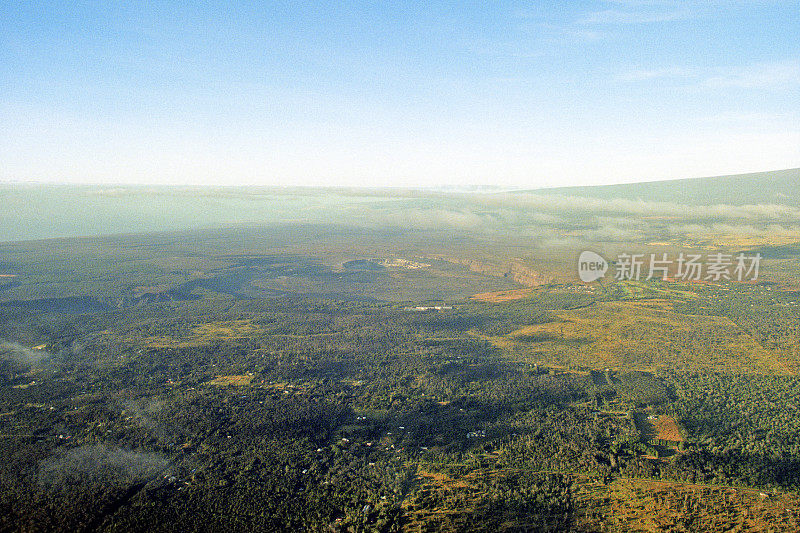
[(775, 187)]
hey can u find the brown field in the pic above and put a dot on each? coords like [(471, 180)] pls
[(200, 335), (646, 335), (502, 296), (667, 429), (461, 501), (449, 503), (651, 506), (233, 381), (663, 427)]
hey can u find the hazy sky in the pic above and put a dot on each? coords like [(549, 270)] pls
[(397, 93)]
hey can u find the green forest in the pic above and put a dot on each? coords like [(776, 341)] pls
[(148, 396)]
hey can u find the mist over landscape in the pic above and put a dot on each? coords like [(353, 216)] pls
[(400, 267), (397, 359), (751, 203)]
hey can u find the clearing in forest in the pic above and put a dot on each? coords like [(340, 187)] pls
[(200, 335), (503, 296), (660, 427), (233, 381), (645, 335)]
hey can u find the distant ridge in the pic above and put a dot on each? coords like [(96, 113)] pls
[(44, 211), (773, 187)]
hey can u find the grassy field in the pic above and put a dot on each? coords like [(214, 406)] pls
[(660, 427), (234, 381), (200, 335), (502, 296), (666, 428), (645, 335), (651, 506), (450, 501)]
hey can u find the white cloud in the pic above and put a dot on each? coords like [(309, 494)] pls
[(758, 76), (780, 74), (737, 118), (652, 74), (584, 34), (616, 16)]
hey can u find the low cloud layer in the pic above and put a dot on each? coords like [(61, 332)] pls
[(758, 202), (18, 353), (99, 464)]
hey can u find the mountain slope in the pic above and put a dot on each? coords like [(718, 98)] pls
[(774, 187)]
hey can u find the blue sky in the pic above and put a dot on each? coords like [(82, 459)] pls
[(397, 93)]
